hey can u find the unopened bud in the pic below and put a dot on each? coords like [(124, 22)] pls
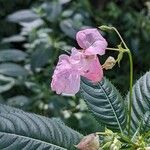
[(89, 142), (105, 28), (109, 63)]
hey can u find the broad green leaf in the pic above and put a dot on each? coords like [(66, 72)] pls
[(20, 130), (14, 38), (146, 122), (24, 15), (13, 70), (141, 100), (52, 10), (12, 55), (40, 58), (6, 83), (68, 28), (19, 101), (105, 102)]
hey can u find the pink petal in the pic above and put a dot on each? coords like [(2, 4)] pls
[(92, 41), (93, 70), (88, 66), (97, 47), (66, 78)]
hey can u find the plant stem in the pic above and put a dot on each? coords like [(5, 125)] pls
[(113, 49), (120, 37), (101, 133), (131, 76), (130, 96)]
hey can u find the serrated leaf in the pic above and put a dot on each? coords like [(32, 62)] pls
[(20, 130), (105, 102), (14, 70), (141, 100), (146, 122), (24, 15), (12, 55)]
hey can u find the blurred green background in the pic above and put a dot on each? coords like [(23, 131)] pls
[(33, 33)]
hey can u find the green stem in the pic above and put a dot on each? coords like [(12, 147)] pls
[(130, 96), (131, 75), (113, 49), (120, 37)]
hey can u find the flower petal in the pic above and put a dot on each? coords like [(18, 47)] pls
[(91, 41), (88, 66), (66, 78), (93, 69)]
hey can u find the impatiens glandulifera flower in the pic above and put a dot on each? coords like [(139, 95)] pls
[(84, 62), (88, 65), (91, 41), (89, 142)]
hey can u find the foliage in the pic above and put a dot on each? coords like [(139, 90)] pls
[(29, 131), (31, 41), (141, 91), (105, 102)]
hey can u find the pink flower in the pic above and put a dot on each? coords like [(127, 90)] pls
[(88, 65), (91, 41), (66, 78)]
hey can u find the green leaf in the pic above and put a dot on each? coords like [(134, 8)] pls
[(52, 10), (13, 70), (105, 102), (68, 28), (6, 83), (19, 101), (20, 130), (40, 58), (141, 100), (24, 15), (146, 122), (12, 55)]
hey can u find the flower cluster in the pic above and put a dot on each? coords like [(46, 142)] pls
[(82, 62)]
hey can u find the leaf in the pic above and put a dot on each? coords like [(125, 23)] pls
[(19, 101), (6, 83), (12, 55), (52, 10), (105, 102), (14, 38), (68, 28), (20, 130), (146, 122), (141, 100), (13, 70), (40, 58), (24, 15)]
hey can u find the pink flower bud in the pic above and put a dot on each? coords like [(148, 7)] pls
[(89, 142)]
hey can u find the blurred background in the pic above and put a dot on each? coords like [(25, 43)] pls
[(33, 33)]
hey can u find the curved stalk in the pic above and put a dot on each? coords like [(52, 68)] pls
[(131, 74), (130, 96)]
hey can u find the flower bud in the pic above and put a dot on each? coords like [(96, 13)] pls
[(109, 63), (105, 28), (89, 142)]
